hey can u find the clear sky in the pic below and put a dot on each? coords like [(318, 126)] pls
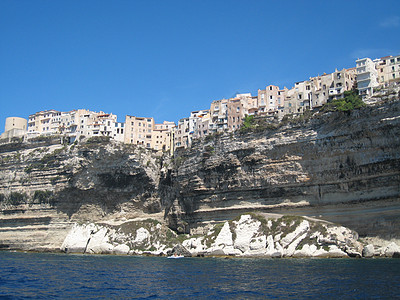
[(166, 58)]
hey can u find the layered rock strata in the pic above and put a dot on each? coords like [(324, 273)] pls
[(341, 167)]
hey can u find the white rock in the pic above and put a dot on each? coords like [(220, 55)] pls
[(278, 250), (141, 235), (194, 245), (230, 250), (269, 224), (121, 249), (390, 249), (320, 252), (103, 248), (277, 237), (258, 243), (245, 229), (225, 236), (292, 247), (77, 238), (368, 251), (270, 245), (303, 227), (99, 241), (306, 251), (334, 251)]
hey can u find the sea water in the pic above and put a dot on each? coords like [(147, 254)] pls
[(62, 276)]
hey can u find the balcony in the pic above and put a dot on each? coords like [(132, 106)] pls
[(335, 91)]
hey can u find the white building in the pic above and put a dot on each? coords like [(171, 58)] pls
[(367, 77)]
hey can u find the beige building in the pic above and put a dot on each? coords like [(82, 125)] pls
[(163, 136), (237, 109), (219, 116), (388, 69), (44, 123), (139, 131), (14, 127), (271, 100), (342, 81)]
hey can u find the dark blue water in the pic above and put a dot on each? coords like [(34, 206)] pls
[(59, 276)]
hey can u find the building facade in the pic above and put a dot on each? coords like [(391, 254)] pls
[(367, 77)]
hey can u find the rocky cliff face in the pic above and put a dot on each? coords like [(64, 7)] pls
[(344, 168), (45, 187), (338, 166)]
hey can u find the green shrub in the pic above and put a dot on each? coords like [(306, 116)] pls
[(44, 197), (350, 101), (16, 198)]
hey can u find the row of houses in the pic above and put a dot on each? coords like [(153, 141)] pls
[(222, 116)]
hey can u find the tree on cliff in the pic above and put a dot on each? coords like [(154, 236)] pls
[(350, 101)]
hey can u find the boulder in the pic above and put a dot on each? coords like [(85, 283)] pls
[(179, 250), (306, 251), (352, 252), (245, 229), (391, 249), (336, 252), (99, 242), (121, 249), (368, 251)]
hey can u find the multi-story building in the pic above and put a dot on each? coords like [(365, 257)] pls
[(138, 131), (43, 123), (203, 126), (388, 69), (219, 116), (198, 125), (237, 109), (163, 136), (182, 137), (367, 77), (271, 100), (342, 81)]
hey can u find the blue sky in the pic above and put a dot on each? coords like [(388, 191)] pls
[(164, 59)]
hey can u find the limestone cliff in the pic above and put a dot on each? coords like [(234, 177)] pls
[(45, 187), (340, 167)]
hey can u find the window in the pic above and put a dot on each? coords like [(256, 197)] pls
[(308, 88), (270, 88)]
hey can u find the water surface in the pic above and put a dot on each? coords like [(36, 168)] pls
[(60, 276)]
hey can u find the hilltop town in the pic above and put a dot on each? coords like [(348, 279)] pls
[(225, 115)]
